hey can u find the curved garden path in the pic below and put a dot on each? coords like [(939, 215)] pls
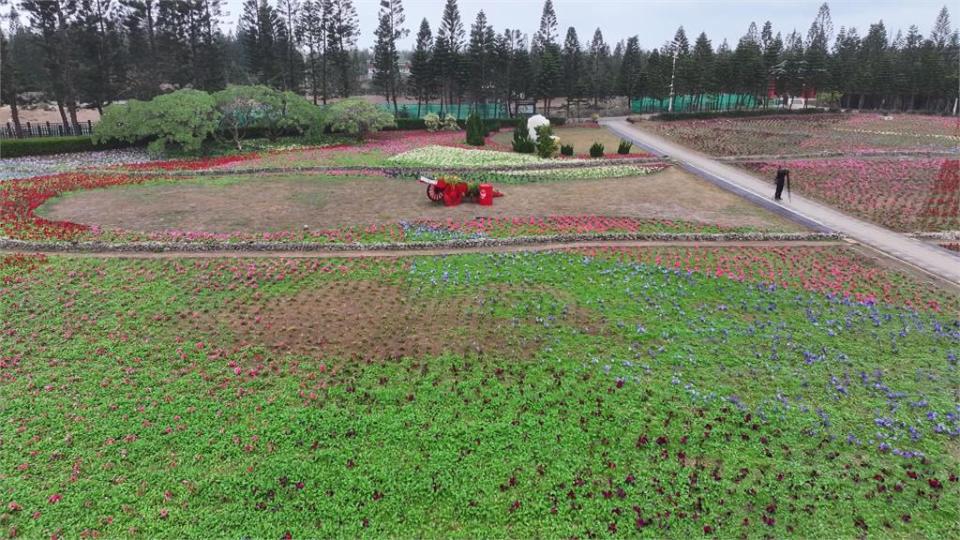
[(925, 257)]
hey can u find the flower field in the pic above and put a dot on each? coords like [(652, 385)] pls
[(903, 194), (595, 393), (791, 135)]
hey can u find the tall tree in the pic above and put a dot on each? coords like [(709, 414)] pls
[(343, 28), (288, 43), (447, 53), (816, 53), (312, 29), (629, 82), (572, 60), (257, 31), (386, 58), (703, 62), (547, 55), (8, 82), (598, 65), (52, 19), (422, 79), (479, 60)]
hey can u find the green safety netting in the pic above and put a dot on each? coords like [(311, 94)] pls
[(490, 110), (706, 102)]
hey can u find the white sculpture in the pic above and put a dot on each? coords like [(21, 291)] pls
[(533, 123)]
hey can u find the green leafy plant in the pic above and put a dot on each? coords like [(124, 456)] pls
[(596, 150), (432, 122), (450, 123), (624, 147), (180, 121), (547, 144), (522, 143), (357, 117), (475, 130), (566, 149)]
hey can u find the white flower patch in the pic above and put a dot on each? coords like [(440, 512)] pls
[(446, 156)]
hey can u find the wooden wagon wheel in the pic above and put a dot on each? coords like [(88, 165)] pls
[(434, 194)]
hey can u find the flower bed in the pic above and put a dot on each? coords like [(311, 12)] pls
[(903, 194), (784, 135), (445, 156), (511, 395)]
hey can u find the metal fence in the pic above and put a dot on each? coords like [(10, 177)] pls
[(45, 129)]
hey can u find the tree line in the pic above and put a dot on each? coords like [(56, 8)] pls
[(94, 52)]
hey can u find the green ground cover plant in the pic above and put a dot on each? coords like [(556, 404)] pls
[(665, 393)]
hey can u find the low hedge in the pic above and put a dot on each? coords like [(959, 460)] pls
[(44, 146), (741, 113)]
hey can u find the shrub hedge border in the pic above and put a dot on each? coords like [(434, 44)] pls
[(44, 146)]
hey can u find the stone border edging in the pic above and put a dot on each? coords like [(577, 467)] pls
[(10, 244)]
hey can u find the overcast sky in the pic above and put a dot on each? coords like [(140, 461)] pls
[(655, 21)]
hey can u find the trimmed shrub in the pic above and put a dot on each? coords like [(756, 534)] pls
[(475, 131), (179, 121), (259, 107), (44, 146), (566, 149), (432, 122), (522, 143), (357, 117), (411, 123), (624, 147), (546, 143), (596, 150), (450, 123)]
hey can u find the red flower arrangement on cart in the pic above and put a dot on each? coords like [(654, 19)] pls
[(452, 190)]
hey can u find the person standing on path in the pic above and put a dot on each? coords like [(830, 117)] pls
[(783, 178)]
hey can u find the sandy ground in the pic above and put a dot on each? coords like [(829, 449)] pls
[(40, 115), (271, 203)]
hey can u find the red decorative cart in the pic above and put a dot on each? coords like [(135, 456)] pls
[(452, 191)]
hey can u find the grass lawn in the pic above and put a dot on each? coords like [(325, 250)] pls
[(569, 394)]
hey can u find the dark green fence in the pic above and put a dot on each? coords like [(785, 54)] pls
[(410, 110), (686, 103)]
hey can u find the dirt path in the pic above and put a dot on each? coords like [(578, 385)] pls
[(922, 256), (284, 203), (428, 252)]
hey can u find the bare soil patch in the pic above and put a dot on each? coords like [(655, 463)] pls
[(272, 203), (372, 320)]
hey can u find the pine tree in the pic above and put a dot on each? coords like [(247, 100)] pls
[(386, 59), (816, 53), (8, 83), (98, 45), (288, 44), (52, 20), (343, 28), (703, 64), (447, 54), (572, 61), (598, 61), (421, 82), (547, 55), (479, 59), (629, 78), (312, 29)]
